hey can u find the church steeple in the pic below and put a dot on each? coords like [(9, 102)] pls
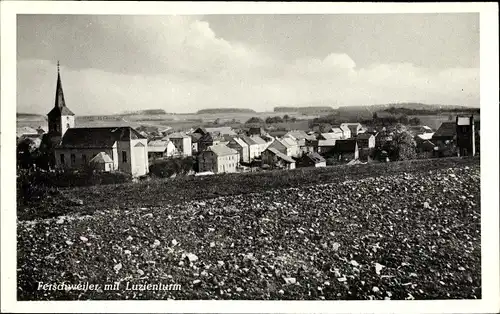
[(60, 117), (59, 90)]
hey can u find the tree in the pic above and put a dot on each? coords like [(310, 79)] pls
[(414, 121), (374, 116), (286, 118), (403, 146), (254, 120)]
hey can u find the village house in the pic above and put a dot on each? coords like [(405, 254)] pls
[(294, 147), (311, 160), (301, 137), (346, 131), (276, 159), (206, 140), (346, 150), (253, 147), (161, 149), (286, 146), (182, 142), (241, 147), (354, 128), (445, 139), (366, 140), (195, 137), (261, 142), (218, 159), (102, 162), (325, 146)]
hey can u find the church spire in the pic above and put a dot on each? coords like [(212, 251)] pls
[(59, 91)]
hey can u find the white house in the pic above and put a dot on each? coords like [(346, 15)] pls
[(218, 159), (241, 147), (182, 142), (162, 148), (253, 147)]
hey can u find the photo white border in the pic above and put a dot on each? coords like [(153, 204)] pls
[(489, 101)]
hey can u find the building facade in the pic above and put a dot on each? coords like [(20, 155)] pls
[(218, 159)]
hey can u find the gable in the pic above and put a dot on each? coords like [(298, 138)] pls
[(139, 144)]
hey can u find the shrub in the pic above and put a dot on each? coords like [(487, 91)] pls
[(166, 168)]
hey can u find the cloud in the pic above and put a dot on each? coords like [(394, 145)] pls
[(179, 64)]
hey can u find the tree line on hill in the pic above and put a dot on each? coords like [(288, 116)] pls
[(271, 120), (376, 120), (427, 112), (225, 110)]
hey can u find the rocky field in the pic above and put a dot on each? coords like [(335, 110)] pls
[(396, 235)]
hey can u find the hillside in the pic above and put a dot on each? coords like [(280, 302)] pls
[(408, 106), (225, 110), (305, 110), (362, 232), (145, 112), (20, 115), (328, 238)]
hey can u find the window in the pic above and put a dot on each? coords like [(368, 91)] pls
[(84, 158), (124, 156), (62, 159), (73, 159), (67, 126)]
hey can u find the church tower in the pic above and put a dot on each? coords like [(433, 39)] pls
[(466, 139), (60, 117)]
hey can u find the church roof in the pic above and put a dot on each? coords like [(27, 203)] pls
[(60, 108), (103, 137)]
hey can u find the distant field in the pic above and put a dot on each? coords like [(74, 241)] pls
[(177, 122)]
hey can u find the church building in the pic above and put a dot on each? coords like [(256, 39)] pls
[(108, 148)]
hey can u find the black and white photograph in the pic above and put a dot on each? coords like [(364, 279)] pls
[(264, 156)]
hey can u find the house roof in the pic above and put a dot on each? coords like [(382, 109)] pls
[(315, 157), (177, 135), (298, 134), (288, 142), (223, 130), (330, 136), (248, 140), (97, 137), (447, 129), (221, 150), (258, 140), (364, 136), (345, 145), (195, 137), (336, 130), (345, 128), (239, 141), (280, 155), (328, 142), (101, 158), (201, 131)]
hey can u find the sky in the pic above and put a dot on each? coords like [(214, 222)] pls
[(113, 63)]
